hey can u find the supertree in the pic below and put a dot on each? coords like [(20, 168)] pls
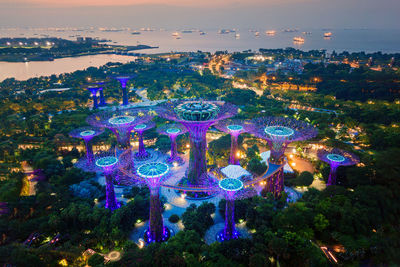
[(87, 134), (336, 157), (173, 131), (93, 90), (121, 123), (229, 186), (152, 174), (101, 84), (197, 117), (140, 128), (234, 127), (108, 162), (123, 79), (279, 132)]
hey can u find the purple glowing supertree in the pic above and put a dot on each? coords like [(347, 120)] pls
[(101, 84), (336, 157), (279, 132), (173, 131), (197, 117), (108, 162), (230, 186), (87, 134), (234, 127), (123, 79), (140, 128), (93, 90), (121, 123), (152, 174)]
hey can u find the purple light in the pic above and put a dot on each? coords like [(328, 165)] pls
[(121, 123), (140, 128), (123, 81), (101, 84), (93, 90), (109, 162), (152, 174), (197, 117), (336, 157), (173, 131), (234, 127), (279, 132), (229, 186), (87, 134)]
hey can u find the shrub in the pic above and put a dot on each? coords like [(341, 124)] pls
[(174, 218)]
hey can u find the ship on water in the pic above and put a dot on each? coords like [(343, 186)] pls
[(328, 35), (298, 39), (271, 32)]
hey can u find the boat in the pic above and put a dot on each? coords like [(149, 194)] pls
[(306, 33), (135, 32), (327, 34), (175, 34), (202, 33), (257, 34), (270, 32), (224, 31), (298, 39), (237, 35)]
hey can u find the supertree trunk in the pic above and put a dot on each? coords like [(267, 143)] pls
[(174, 148), (332, 175), (229, 219), (111, 200), (233, 158), (89, 152), (197, 162), (156, 226), (95, 104), (102, 100), (124, 95), (142, 151), (275, 184), (278, 183)]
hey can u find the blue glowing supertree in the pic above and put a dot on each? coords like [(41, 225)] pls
[(123, 79), (197, 117), (152, 174), (93, 90), (121, 123), (234, 127), (87, 134), (139, 129), (101, 84), (336, 157), (229, 186), (173, 131), (109, 162), (279, 132)]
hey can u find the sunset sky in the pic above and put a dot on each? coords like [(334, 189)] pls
[(204, 13)]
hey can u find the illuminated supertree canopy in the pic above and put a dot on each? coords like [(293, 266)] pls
[(197, 116), (336, 157), (108, 162), (139, 129), (120, 122), (153, 173), (279, 132), (123, 79), (87, 134), (173, 131), (234, 127), (93, 90)]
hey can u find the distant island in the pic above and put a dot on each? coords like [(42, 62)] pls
[(48, 49)]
